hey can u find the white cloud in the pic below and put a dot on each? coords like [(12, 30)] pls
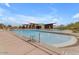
[(75, 18), (76, 15), (7, 4), (24, 19), (2, 11), (0, 21), (10, 20)]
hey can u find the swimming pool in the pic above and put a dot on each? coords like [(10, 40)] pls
[(53, 39)]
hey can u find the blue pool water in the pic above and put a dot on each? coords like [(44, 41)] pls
[(48, 38)]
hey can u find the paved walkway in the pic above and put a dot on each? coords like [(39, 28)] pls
[(12, 45)]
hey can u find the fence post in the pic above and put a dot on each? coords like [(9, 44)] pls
[(39, 37)]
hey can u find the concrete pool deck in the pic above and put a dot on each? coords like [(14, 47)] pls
[(12, 45)]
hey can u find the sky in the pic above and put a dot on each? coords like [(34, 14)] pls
[(25, 13)]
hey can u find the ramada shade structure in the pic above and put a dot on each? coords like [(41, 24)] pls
[(38, 26)]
